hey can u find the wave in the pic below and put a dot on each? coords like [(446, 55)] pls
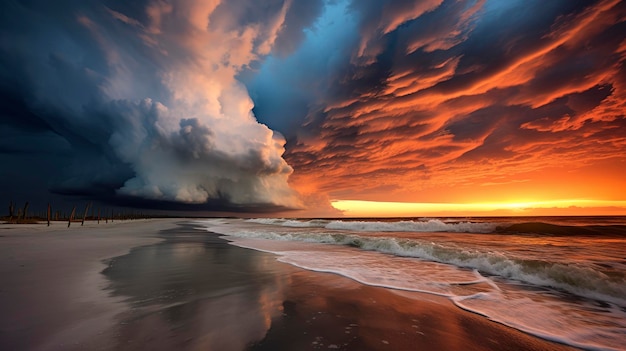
[(526, 292), (314, 223), (430, 225), (536, 311), (578, 279), (450, 226)]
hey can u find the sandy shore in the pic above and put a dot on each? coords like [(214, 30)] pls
[(52, 290), (181, 288)]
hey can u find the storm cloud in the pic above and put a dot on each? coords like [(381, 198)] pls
[(141, 100)]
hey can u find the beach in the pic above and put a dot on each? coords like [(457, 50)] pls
[(166, 284), (52, 293)]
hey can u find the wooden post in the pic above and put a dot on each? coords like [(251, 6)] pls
[(48, 214), (84, 215), (25, 213), (11, 211), (98, 215), (71, 216)]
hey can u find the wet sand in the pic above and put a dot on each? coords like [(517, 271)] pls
[(182, 288)]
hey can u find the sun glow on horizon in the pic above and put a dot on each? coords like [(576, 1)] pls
[(360, 208)]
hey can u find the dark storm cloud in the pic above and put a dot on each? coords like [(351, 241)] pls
[(137, 102)]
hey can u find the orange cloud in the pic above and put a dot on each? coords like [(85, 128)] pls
[(544, 115)]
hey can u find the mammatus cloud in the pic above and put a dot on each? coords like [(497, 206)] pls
[(149, 90), (463, 93)]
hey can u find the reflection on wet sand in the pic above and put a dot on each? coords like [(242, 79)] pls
[(195, 292), (326, 311)]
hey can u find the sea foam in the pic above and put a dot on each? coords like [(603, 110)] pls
[(430, 225), (511, 289), (578, 279)]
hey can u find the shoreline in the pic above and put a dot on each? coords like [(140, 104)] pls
[(171, 286)]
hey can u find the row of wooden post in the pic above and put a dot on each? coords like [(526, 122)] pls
[(12, 211), (23, 214), (82, 221)]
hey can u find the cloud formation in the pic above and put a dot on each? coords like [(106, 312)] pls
[(462, 93), (183, 104), (144, 96)]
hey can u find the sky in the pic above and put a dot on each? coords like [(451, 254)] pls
[(315, 108)]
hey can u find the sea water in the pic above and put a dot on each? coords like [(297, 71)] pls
[(559, 278)]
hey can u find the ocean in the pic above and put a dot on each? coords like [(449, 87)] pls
[(558, 278)]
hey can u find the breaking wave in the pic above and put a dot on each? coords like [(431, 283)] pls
[(430, 225), (450, 226), (578, 279)]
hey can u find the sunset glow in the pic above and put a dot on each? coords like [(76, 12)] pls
[(356, 208)]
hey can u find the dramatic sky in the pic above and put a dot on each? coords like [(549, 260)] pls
[(305, 108)]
